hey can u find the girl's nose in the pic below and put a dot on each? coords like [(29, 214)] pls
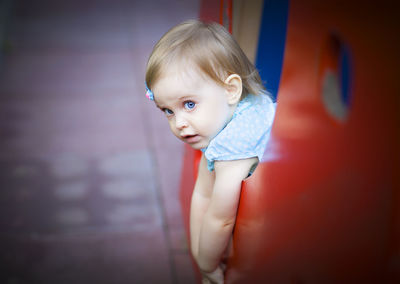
[(180, 122)]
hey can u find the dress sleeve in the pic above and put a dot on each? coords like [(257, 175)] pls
[(245, 136)]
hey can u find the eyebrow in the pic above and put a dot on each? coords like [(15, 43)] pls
[(185, 97), (157, 105)]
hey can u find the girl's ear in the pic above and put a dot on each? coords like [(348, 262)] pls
[(233, 88)]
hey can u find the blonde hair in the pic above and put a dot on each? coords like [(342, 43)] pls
[(211, 48)]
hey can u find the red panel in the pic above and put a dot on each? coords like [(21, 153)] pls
[(325, 208)]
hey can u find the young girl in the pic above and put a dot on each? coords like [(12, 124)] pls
[(214, 100)]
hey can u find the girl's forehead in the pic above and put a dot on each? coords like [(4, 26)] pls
[(181, 76), (177, 83)]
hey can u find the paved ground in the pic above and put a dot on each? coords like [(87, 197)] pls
[(89, 172)]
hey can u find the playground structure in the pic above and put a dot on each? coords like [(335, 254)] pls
[(324, 207)]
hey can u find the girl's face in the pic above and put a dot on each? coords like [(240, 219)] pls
[(196, 108)]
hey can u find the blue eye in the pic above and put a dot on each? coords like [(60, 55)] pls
[(168, 112), (189, 105)]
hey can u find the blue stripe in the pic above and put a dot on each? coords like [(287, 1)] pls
[(271, 44)]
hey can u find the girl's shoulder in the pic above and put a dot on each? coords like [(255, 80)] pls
[(247, 133), (256, 104)]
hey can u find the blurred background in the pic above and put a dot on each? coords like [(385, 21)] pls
[(89, 173), (95, 189)]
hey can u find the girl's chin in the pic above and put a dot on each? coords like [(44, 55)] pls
[(198, 146)]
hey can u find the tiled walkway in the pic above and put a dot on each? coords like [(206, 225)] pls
[(89, 172)]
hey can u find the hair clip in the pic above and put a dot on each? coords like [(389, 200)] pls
[(149, 93)]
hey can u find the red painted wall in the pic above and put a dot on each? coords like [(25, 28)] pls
[(325, 207)]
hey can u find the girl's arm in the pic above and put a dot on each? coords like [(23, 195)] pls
[(200, 200), (219, 216)]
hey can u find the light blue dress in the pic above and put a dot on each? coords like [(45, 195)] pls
[(246, 134)]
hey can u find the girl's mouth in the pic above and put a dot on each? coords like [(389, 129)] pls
[(190, 139)]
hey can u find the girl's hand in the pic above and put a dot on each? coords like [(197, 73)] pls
[(215, 277)]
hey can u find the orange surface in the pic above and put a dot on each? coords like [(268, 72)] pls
[(325, 207)]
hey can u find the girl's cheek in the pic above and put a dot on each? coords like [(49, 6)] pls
[(171, 124)]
